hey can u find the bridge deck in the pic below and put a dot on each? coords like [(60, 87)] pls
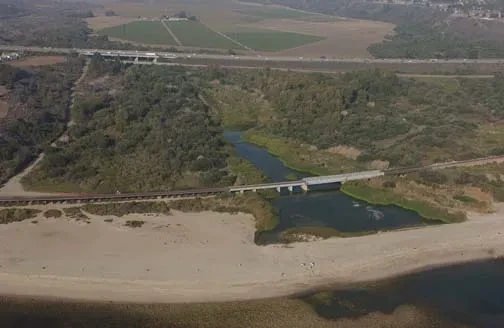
[(268, 185)]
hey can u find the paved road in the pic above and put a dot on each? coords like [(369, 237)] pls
[(249, 57), (325, 65)]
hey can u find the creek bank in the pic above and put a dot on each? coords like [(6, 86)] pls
[(321, 214)]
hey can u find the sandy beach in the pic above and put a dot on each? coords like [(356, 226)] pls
[(199, 257)]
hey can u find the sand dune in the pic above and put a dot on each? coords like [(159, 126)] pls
[(212, 257)]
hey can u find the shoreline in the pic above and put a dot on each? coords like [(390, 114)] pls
[(301, 291), (227, 265)]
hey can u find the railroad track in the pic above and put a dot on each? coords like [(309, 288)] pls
[(92, 198)]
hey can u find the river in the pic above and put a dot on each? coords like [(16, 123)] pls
[(331, 209), (457, 296)]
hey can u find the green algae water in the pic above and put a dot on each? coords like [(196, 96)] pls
[(323, 209)]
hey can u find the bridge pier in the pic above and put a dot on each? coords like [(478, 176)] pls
[(136, 60), (304, 187)]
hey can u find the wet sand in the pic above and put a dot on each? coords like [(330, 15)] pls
[(198, 257)]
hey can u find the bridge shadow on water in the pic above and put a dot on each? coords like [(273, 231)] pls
[(332, 210)]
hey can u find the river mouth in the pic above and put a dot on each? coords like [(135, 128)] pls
[(322, 212)]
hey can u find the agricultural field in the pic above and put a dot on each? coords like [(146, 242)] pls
[(263, 28), (99, 22), (148, 32), (270, 12), (342, 38), (196, 34), (270, 40)]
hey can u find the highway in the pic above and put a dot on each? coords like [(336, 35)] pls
[(132, 53), (285, 62)]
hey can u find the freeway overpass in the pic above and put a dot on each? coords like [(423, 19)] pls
[(487, 66)]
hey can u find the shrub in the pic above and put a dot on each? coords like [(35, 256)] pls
[(52, 214), (75, 213), (10, 215), (134, 223), (121, 209)]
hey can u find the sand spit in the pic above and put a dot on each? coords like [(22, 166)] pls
[(199, 257)]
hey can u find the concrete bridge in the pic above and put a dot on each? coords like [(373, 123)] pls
[(290, 185), (305, 183), (130, 56)]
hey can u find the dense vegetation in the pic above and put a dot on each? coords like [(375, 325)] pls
[(121, 209), (138, 128), (10, 215), (38, 101), (374, 119), (404, 122), (424, 41)]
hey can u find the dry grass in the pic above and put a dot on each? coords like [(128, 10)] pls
[(38, 61), (442, 196), (100, 22), (346, 151)]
